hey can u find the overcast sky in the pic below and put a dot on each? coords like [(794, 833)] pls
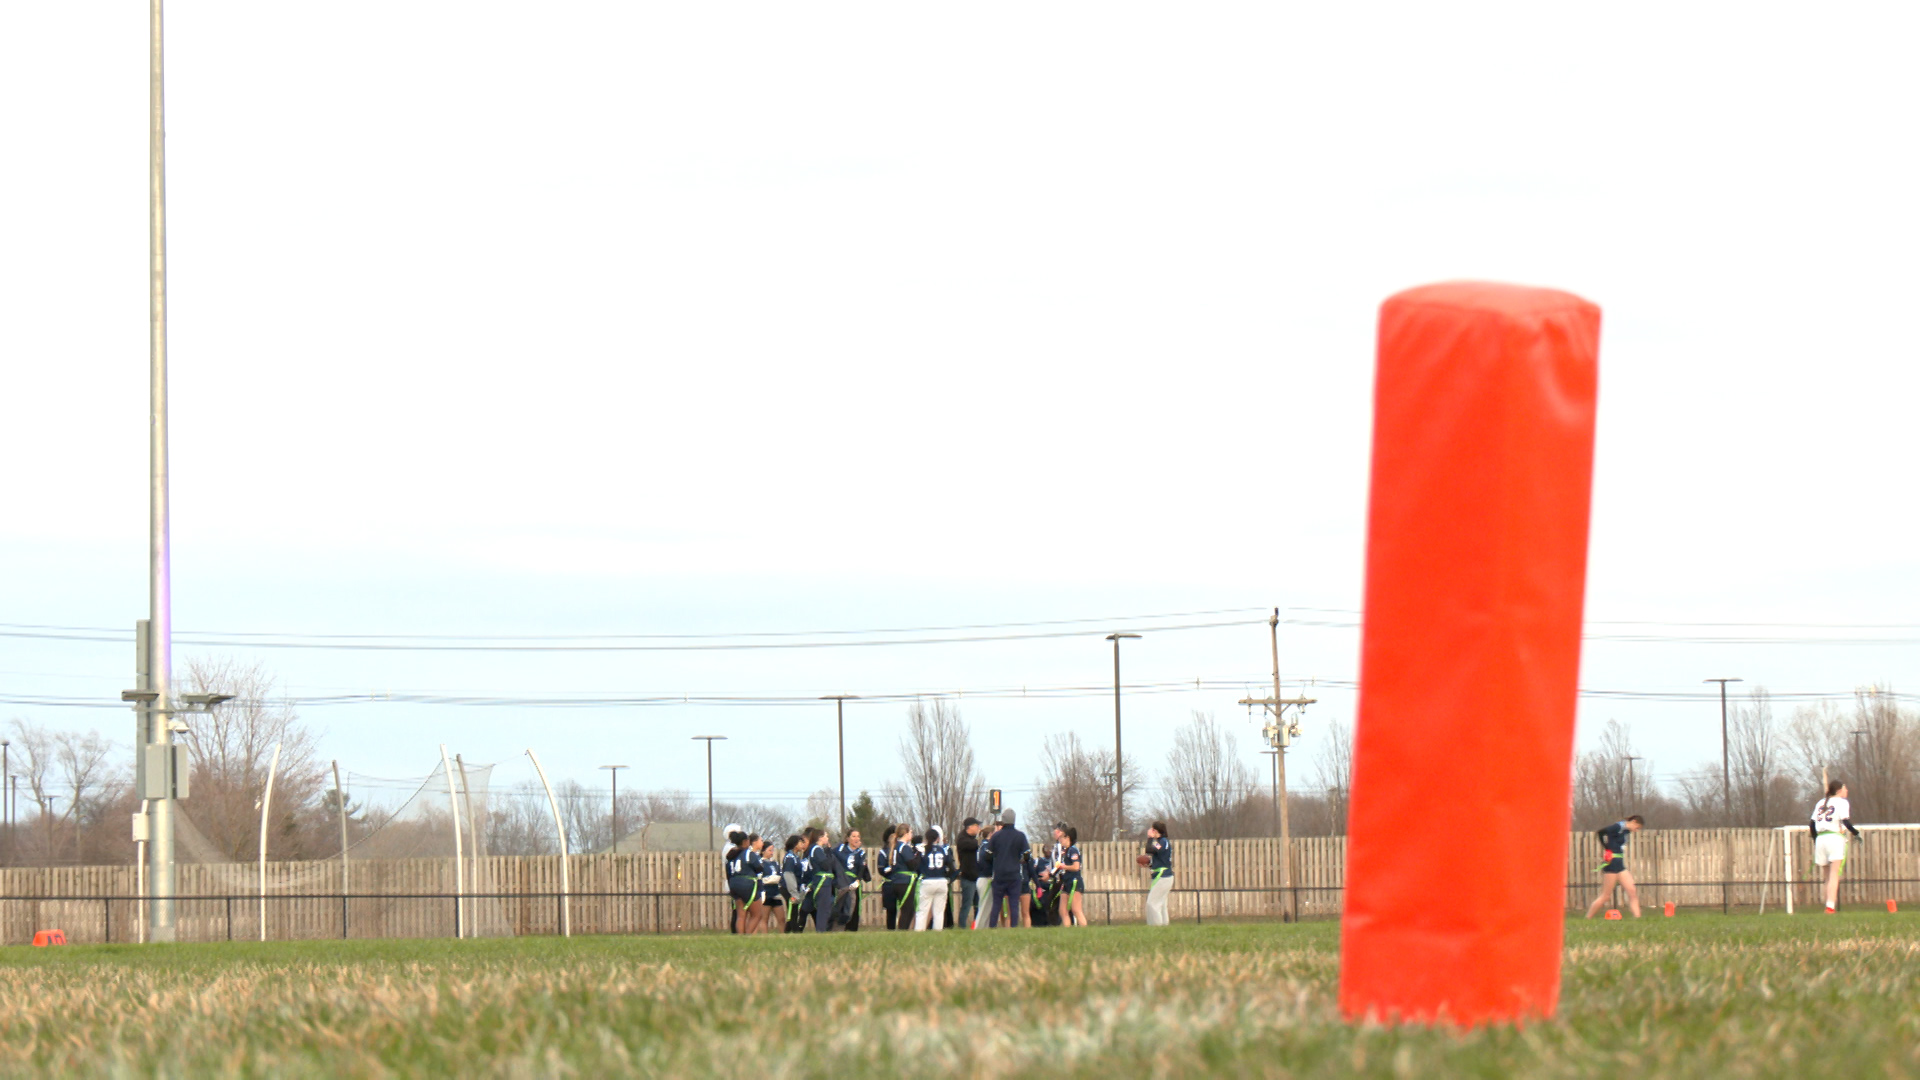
[(637, 319)]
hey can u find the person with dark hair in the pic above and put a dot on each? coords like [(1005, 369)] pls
[(854, 858), (966, 867), (903, 879), (1012, 861), (1159, 863), (818, 883), (743, 883), (1043, 905), (1068, 882), (793, 872), (1613, 864), (773, 892), (1829, 815)]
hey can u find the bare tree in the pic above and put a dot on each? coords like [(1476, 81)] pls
[(1607, 785), (1207, 785), (942, 784), (90, 779), (1076, 787), (1764, 794), (589, 814), (519, 821), (821, 808), (1333, 771), (231, 749), (34, 750), (1874, 747)]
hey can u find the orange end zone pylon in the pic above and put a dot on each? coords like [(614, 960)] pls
[(1484, 406)]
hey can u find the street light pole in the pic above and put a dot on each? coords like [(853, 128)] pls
[(1633, 789), (159, 578), (1119, 759), (613, 809), (1726, 759), (840, 726), (710, 740)]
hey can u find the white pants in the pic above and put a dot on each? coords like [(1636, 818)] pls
[(933, 902), (983, 886), (1157, 901)]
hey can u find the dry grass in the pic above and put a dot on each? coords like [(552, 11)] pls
[(1700, 996)]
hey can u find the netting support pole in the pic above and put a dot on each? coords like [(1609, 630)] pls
[(453, 807), (340, 803), (560, 829), (473, 836), (266, 808), (1786, 865)]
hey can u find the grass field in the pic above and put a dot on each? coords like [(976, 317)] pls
[(1694, 996)]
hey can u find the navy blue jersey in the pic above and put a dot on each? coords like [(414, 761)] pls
[(738, 864), (855, 861), (1160, 851), (1614, 838), (1070, 856), (906, 864), (795, 865), (819, 866), (1043, 865), (983, 861), (937, 862)]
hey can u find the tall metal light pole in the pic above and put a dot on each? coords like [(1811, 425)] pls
[(840, 725), (710, 740), (1633, 789), (1119, 759), (1726, 759), (613, 808), (159, 578), (1859, 759)]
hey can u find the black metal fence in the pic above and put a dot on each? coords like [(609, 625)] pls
[(88, 919)]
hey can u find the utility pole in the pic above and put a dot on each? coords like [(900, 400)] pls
[(1726, 759), (1280, 733), (613, 809), (1633, 789), (840, 726), (159, 578), (1119, 759), (1859, 759), (710, 740)]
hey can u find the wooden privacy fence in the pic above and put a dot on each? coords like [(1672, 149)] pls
[(663, 892)]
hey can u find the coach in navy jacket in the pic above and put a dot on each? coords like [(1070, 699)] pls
[(1010, 852)]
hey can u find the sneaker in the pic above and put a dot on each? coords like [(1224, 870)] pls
[(1831, 911)]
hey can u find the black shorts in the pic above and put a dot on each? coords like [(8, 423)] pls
[(1616, 865), (743, 889)]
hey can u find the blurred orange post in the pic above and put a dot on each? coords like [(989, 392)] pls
[(1484, 405)]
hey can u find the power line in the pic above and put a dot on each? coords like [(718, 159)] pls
[(522, 645)]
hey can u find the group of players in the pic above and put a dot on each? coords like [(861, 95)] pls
[(812, 880), (1830, 815)]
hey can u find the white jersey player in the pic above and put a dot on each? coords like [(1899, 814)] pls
[(1830, 816)]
